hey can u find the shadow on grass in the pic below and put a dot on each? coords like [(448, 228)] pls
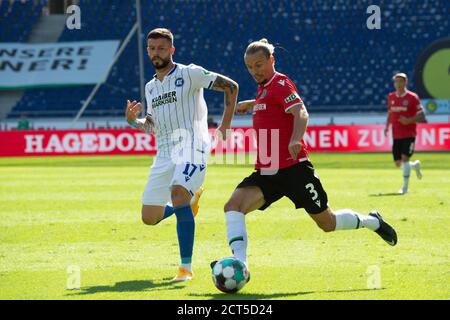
[(261, 296), (129, 286), (389, 194)]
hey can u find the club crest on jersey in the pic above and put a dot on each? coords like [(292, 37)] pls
[(292, 97), (179, 82), (263, 94), (281, 82), (405, 102)]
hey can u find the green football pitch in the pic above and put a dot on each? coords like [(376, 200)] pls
[(69, 221)]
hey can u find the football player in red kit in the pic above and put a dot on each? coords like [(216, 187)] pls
[(283, 167), (404, 111)]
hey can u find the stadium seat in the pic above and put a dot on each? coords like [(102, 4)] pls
[(338, 64)]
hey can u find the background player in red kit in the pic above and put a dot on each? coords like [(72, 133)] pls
[(278, 108), (404, 111)]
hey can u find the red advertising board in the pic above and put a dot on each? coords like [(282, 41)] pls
[(357, 138)]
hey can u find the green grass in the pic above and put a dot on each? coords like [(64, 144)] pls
[(85, 211)]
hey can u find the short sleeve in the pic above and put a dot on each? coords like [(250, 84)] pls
[(200, 77), (417, 104), (288, 94)]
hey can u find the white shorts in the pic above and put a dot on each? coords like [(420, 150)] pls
[(164, 173)]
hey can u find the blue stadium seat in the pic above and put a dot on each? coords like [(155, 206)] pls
[(17, 19), (336, 62)]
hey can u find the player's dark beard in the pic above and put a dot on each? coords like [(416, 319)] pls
[(164, 64)]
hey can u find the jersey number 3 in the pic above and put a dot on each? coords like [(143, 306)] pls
[(311, 190)]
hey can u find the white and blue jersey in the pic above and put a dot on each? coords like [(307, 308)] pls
[(178, 106), (180, 113)]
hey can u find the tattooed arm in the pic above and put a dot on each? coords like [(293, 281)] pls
[(146, 124), (230, 89)]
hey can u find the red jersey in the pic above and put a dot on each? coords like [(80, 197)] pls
[(274, 124), (406, 106)]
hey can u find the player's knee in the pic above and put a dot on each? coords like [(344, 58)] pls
[(232, 205), (180, 196), (398, 164)]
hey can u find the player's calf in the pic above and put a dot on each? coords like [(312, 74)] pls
[(326, 227), (347, 219), (325, 220), (242, 201), (152, 215), (406, 171), (245, 200), (344, 219), (416, 166), (185, 230)]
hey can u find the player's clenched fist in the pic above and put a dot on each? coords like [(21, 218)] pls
[(133, 110), (223, 132), (243, 106), (294, 149)]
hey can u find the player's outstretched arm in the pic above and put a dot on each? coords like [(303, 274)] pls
[(132, 112), (231, 90), (243, 106)]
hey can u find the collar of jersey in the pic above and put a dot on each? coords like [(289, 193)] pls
[(406, 92), (170, 72)]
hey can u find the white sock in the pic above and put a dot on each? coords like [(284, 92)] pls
[(406, 167), (237, 234), (187, 266), (413, 164), (347, 219)]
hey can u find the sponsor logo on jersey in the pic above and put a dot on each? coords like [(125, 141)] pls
[(165, 98), (179, 82), (292, 97), (259, 106), (399, 109)]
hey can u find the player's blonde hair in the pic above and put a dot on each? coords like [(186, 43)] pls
[(261, 45)]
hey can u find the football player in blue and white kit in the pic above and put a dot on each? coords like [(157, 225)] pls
[(177, 115)]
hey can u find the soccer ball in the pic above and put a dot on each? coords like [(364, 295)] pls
[(230, 275)]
